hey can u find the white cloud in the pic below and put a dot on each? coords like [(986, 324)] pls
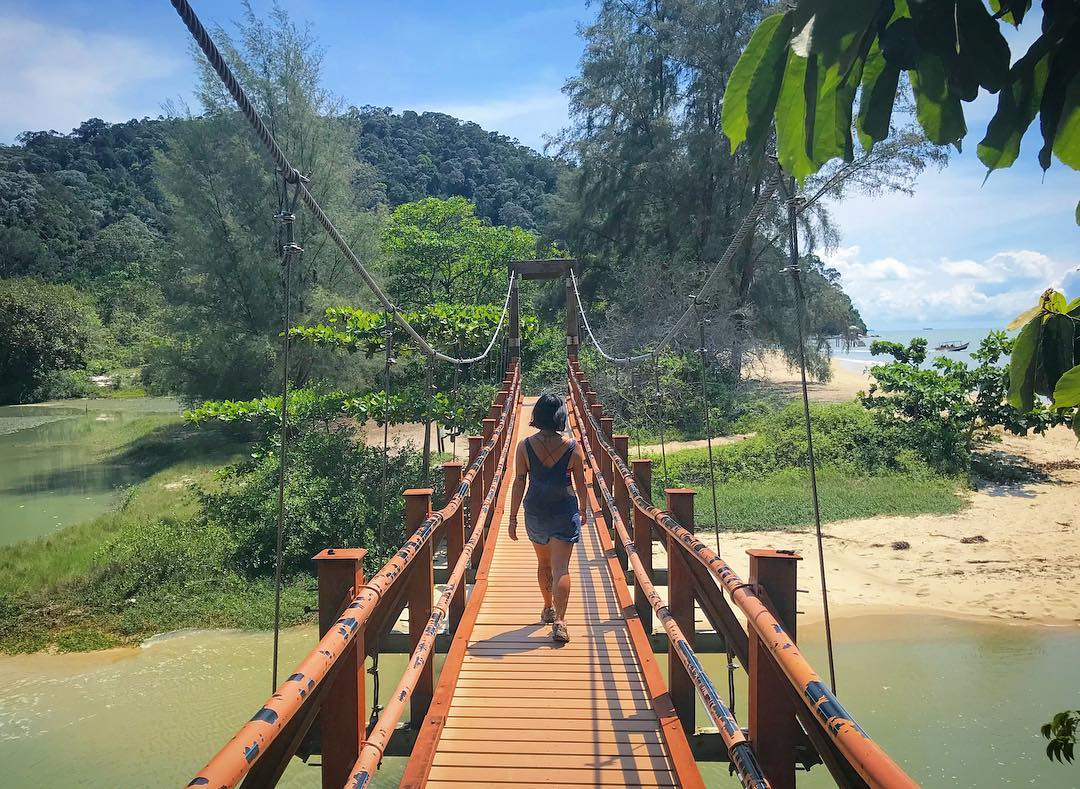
[(55, 77), (528, 116), (988, 292)]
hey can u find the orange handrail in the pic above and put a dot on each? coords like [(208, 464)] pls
[(862, 753), (237, 757), (739, 749), (372, 752)]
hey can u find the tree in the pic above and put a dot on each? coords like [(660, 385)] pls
[(439, 251), (223, 276), (943, 411), (654, 193), (44, 330), (803, 69)]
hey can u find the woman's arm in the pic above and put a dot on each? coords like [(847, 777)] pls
[(517, 493), (577, 468)]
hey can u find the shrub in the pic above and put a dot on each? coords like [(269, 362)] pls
[(332, 499)]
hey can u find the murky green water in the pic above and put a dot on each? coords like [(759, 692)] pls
[(51, 475), (958, 704)]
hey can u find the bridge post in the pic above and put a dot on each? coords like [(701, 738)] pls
[(476, 496), (514, 333), (607, 427), (680, 503), (643, 541), (771, 717), (622, 496), (420, 586), (572, 326), (455, 538), (342, 714), (489, 463)]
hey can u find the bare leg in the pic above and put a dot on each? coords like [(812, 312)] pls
[(543, 571), (560, 570)]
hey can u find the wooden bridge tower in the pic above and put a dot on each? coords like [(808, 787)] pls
[(553, 268)]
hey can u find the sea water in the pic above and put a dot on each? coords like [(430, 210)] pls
[(861, 356)]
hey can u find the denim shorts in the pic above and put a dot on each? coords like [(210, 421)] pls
[(542, 528)]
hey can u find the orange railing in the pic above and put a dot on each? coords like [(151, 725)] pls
[(856, 759), (297, 700)]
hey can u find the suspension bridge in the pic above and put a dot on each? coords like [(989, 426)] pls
[(509, 706)]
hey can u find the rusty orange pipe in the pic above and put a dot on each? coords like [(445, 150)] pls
[(233, 761), (371, 754), (861, 752), (739, 749)]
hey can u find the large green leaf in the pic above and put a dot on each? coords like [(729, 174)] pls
[(1054, 109), (1067, 138), (1022, 366), (983, 52), (1017, 106), (832, 119), (754, 86), (1067, 392), (791, 119), (1012, 11), (936, 107), (1055, 351), (879, 83), (838, 31)]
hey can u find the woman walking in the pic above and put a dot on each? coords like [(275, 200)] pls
[(548, 460)]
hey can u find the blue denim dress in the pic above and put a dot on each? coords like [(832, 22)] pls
[(551, 509)]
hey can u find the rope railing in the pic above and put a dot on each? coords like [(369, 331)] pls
[(745, 227), (743, 758), (237, 757), (293, 176), (861, 752), (371, 754)]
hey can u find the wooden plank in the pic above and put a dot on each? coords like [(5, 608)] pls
[(477, 749), (613, 713), (643, 763), (577, 727), (518, 775), (527, 741)]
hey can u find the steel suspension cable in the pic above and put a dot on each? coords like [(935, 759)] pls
[(388, 336), (660, 406), (289, 250), (745, 227), (293, 176), (795, 271), (708, 429)]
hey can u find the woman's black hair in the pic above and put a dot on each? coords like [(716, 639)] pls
[(549, 413)]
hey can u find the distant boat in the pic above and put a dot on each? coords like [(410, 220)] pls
[(953, 346)]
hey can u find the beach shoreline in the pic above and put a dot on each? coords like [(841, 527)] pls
[(1012, 555)]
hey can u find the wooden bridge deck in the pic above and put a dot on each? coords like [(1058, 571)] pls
[(526, 711)]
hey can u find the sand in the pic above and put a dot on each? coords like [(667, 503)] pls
[(848, 379), (1025, 567)]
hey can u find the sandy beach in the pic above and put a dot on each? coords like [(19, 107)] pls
[(1013, 554)]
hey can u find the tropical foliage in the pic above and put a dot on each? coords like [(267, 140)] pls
[(804, 67), (430, 154), (944, 410), (1046, 358)]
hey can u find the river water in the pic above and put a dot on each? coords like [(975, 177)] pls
[(51, 475), (956, 703)]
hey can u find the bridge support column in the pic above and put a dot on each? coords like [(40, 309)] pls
[(420, 587), (572, 325), (771, 718), (643, 542), (476, 496), (342, 716), (489, 463), (455, 538), (680, 503), (514, 333), (622, 496)]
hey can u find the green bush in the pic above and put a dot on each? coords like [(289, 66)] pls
[(846, 437), (45, 330), (332, 499)]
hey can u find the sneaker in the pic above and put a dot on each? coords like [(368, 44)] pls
[(547, 616), (559, 633)]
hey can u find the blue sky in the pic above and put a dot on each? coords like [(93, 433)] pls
[(958, 253)]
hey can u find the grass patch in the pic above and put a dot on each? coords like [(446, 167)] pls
[(47, 599), (782, 500)]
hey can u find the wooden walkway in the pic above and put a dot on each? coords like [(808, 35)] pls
[(521, 710)]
